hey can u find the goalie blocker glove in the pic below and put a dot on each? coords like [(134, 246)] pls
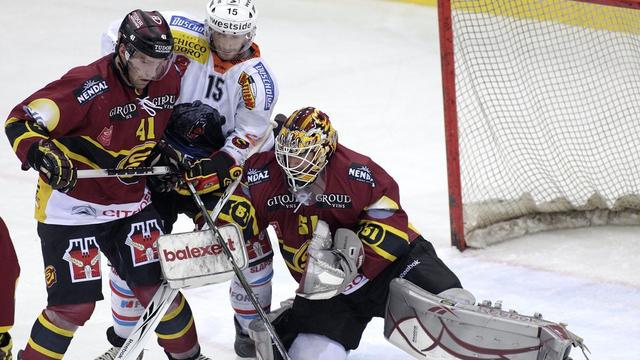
[(214, 173), (55, 166)]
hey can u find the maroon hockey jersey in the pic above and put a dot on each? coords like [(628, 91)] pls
[(358, 195), (10, 270), (99, 122)]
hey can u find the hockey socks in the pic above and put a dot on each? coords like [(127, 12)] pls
[(47, 340), (176, 331)]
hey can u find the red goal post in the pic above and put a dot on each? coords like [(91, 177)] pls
[(542, 115)]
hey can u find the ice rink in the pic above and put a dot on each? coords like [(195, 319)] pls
[(374, 67)]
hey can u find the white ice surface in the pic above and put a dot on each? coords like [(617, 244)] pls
[(374, 67)]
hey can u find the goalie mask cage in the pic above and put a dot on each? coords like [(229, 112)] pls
[(542, 115)]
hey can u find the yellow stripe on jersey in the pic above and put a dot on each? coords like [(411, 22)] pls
[(75, 156), (125, 152), (413, 228), (44, 351), (43, 193), (5, 329), (384, 203), (378, 236), (27, 135)]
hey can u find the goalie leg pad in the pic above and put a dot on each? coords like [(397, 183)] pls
[(259, 334), (429, 326), (316, 347)]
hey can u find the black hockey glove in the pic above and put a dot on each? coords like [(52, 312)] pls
[(214, 173), (164, 154), (280, 119), (54, 165)]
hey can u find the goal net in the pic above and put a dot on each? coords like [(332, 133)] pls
[(542, 114)]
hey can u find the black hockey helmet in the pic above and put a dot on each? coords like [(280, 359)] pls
[(195, 129), (147, 32)]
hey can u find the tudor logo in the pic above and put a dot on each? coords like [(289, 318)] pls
[(156, 19)]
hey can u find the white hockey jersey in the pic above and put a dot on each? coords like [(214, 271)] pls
[(244, 92)]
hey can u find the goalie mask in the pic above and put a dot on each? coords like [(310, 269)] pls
[(304, 145), (230, 27)]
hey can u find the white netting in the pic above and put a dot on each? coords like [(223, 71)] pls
[(548, 97)]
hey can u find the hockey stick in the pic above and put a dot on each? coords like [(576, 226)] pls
[(164, 296), (137, 171), (236, 269)]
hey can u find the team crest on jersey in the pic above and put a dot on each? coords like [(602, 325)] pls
[(240, 143), (269, 85), (249, 90), (135, 158), (91, 89), (299, 258), (143, 241), (83, 256), (257, 176), (361, 173), (105, 136), (50, 276)]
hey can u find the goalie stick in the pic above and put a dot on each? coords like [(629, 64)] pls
[(164, 296)]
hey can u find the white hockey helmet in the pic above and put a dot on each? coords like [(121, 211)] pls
[(231, 26)]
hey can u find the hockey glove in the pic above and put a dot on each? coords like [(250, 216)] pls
[(5, 346), (54, 165), (331, 264), (213, 174), (164, 154)]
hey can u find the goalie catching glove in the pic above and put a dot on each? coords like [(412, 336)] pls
[(213, 174), (55, 166), (331, 264)]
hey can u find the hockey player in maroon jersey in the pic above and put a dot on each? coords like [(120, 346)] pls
[(226, 73), (10, 271), (313, 187), (108, 114)]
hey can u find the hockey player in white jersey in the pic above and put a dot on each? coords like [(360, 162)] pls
[(223, 69)]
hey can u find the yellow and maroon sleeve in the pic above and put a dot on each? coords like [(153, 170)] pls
[(383, 226), (50, 112), (240, 210)]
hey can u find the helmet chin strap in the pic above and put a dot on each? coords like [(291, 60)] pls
[(123, 69)]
